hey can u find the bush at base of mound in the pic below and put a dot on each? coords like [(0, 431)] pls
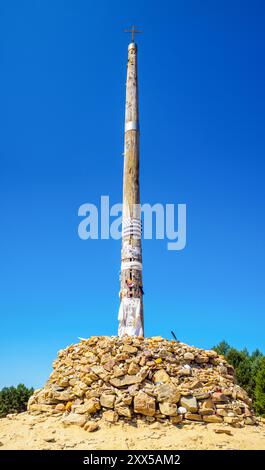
[(14, 399), (150, 378)]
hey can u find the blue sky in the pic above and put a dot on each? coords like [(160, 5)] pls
[(202, 97)]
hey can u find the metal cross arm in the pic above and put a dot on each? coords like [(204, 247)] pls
[(133, 31)]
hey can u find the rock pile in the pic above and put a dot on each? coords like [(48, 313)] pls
[(149, 378)]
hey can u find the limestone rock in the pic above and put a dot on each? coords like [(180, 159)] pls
[(193, 416), (144, 404), (161, 376), (107, 400), (123, 410), (125, 381), (167, 392), (168, 409), (129, 349), (91, 426), (73, 418), (212, 419), (90, 406), (110, 416), (133, 368), (190, 403), (188, 356)]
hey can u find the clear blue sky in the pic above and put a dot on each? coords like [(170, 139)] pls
[(202, 101)]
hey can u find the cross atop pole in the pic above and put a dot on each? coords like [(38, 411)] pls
[(133, 30)]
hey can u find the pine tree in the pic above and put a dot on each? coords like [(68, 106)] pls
[(14, 399), (259, 403)]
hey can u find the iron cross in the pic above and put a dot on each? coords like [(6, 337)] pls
[(133, 31)]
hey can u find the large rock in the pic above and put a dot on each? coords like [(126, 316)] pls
[(126, 380), (144, 404), (90, 406), (167, 392), (73, 418), (168, 409), (190, 403)]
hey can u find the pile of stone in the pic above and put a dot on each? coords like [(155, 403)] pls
[(154, 379)]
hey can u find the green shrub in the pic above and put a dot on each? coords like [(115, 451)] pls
[(249, 372), (14, 399)]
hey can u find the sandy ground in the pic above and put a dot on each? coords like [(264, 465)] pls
[(26, 431)]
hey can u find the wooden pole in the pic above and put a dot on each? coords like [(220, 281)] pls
[(131, 289)]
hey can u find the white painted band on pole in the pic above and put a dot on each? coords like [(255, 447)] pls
[(131, 265), (131, 126)]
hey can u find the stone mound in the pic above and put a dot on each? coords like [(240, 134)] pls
[(149, 378)]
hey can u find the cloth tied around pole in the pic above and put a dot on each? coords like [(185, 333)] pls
[(129, 317), (129, 251), (131, 265)]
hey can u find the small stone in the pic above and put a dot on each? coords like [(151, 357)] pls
[(133, 368), (223, 431), (79, 391), (249, 421), (144, 404), (100, 371), (60, 407), (110, 416), (182, 410), (193, 416), (161, 376), (91, 426), (213, 419), (63, 381), (188, 356), (219, 397), (211, 353), (109, 365), (107, 400), (231, 419), (129, 349), (176, 419), (201, 359), (117, 371), (207, 407), (123, 410)]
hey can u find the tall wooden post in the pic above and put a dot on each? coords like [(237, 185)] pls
[(131, 288)]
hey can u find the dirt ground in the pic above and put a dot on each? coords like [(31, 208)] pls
[(25, 431)]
